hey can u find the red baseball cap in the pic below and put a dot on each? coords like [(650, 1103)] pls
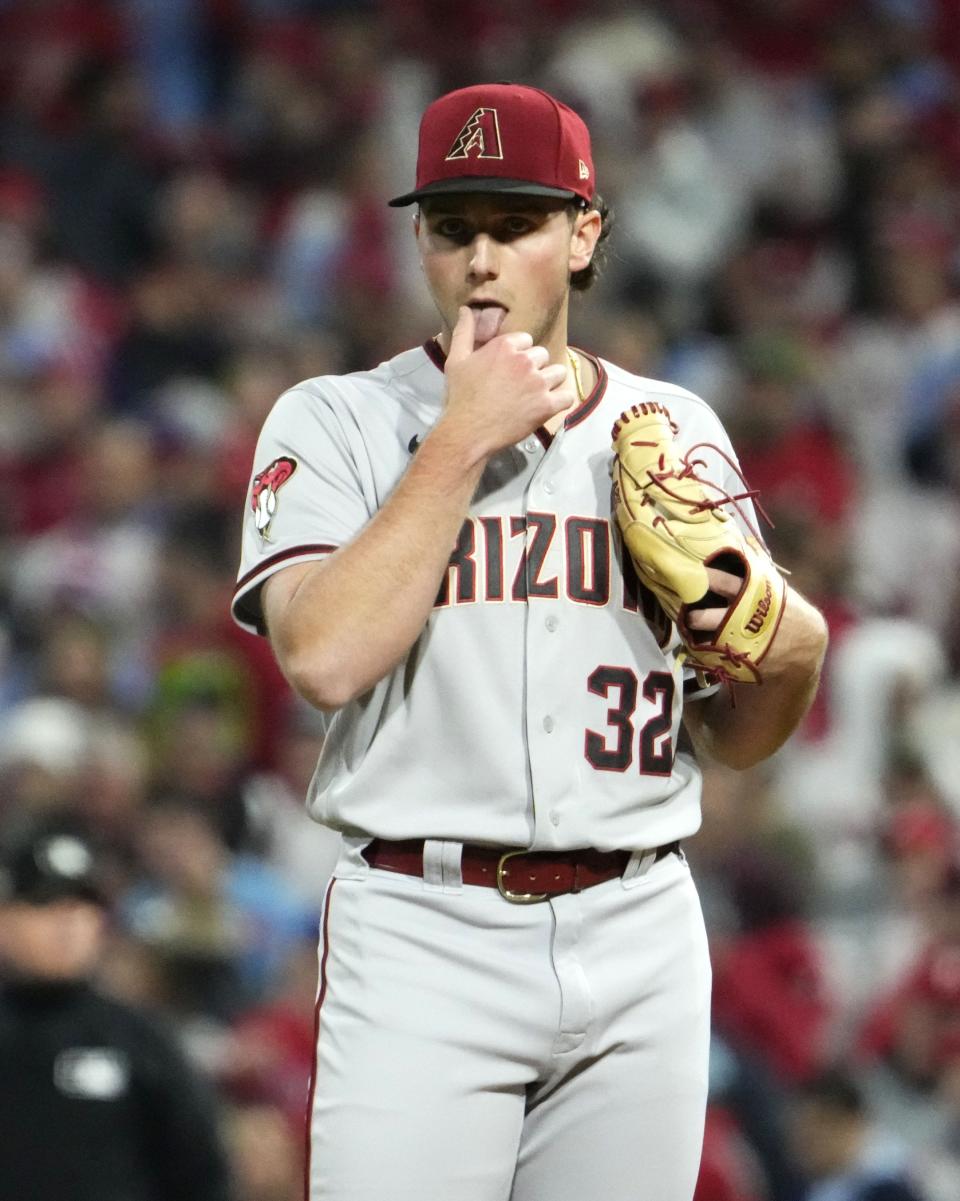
[(502, 137)]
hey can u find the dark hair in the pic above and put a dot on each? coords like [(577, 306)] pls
[(583, 279), (837, 1088)]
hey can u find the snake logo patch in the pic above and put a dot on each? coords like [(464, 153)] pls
[(263, 495)]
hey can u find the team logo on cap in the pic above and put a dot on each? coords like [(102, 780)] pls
[(481, 134), (263, 495)]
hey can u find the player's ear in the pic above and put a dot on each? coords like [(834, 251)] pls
[(416, 235), (583, 238)]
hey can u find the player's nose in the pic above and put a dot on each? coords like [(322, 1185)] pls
[(483, 258)]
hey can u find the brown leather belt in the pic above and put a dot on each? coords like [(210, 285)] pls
[(521, 876)]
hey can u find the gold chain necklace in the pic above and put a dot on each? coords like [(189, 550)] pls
[(575, 367)]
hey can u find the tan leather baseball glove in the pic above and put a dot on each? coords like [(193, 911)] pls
[(674, 528)]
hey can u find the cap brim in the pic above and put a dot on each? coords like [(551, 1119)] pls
[(467, 184)]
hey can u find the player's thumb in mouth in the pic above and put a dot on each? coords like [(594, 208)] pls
[(461, 340)]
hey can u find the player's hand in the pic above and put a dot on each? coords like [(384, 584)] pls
[(502, 391), (723, 584)]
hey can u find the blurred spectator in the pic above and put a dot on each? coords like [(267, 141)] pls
[(769, 993), (745, 1153), (74, 662), (204, 664), (919, 843), (173, 332), (915, 1027), (97, 1103), (50, 417), (100, 559), (844, 1154), (937, 1162), (96, 165), (728, 1169), (269, 1055), (786, 448), (604, 59), (878, 357), (223, 923), (168, 44), (880, 670), (920, 836), (258, 374), (204, 220), (50, 324), (682, 208), (265, 1154), (302, 851), (44, 746)]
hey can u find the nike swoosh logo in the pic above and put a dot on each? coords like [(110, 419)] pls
[(414, 444)]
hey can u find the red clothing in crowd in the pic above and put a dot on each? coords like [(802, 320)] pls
[(769, 995), (918, 1023), (728, 1167)]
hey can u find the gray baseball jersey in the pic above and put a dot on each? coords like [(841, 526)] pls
[(540, 706)]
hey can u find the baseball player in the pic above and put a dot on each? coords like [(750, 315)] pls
[(514, 980)]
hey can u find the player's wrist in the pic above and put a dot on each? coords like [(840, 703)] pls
[(460, 441)]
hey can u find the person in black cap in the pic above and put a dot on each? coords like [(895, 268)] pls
[(97, 1103)]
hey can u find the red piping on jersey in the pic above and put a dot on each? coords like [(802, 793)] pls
[(583, 411), (312, 548), (308, 1126), (436, 356)]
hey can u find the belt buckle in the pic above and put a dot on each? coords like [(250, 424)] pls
[(516, 898)]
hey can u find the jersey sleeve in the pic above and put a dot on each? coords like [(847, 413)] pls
[(305, 497)]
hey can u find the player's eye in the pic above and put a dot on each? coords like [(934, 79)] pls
[(452, 228)]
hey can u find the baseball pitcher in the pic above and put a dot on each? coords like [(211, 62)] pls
[(509, 572)]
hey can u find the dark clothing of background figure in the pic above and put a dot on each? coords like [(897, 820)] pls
[(97, 1103)]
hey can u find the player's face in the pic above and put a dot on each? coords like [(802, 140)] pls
[(509, 258)]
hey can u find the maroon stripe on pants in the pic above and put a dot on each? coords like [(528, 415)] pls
[(316, 1038)]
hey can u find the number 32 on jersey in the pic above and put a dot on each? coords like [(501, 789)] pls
[(616, 748)]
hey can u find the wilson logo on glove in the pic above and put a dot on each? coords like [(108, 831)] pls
[(755, 624)]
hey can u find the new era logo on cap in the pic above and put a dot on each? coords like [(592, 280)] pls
[(502, 137)]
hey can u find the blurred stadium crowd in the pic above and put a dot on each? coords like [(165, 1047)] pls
[(192, 218)]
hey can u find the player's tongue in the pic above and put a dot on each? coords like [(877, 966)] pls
[(489, 320)]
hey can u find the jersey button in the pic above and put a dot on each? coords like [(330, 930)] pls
[(548, 488), (548, 724), (554, 818), (551, 623), (530, 445)]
